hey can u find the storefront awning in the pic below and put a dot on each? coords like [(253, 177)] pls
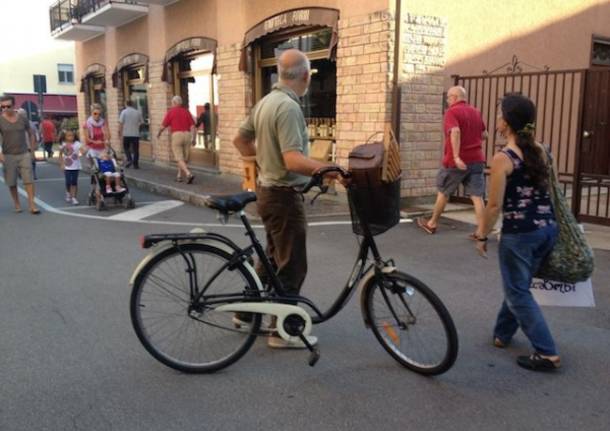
[(126, 61), (204, 44), (306, 17), (52, 103), (93, 69)]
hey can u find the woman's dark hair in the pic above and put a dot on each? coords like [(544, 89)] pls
[(520, 114)]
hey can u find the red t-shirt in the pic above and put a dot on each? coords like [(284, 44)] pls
[(48, 131), (178, 119), (468, 119)]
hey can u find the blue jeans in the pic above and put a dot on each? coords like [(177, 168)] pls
[(520, 256)]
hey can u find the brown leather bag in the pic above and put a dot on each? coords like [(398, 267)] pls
[(366, 164)]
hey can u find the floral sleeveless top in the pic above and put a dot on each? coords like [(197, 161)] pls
[(526, 208)]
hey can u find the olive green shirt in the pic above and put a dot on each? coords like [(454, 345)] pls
[(278, 126), (14, 135)]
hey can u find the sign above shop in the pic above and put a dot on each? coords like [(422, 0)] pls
[(287, 19)]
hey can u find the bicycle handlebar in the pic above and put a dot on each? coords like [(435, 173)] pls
[(316, 178)]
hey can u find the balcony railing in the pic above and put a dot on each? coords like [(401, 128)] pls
[(82, 19)]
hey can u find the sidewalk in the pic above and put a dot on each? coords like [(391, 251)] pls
[(161, 180)]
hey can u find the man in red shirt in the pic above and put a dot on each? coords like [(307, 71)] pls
[(48, 132), (182, 129), (463, 159)]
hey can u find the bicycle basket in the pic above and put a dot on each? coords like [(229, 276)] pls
[(376, 205)]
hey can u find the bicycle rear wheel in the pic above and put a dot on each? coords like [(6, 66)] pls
[(411, 323), (187, 336)]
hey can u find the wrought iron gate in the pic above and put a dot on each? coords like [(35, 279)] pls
[(564, 99)]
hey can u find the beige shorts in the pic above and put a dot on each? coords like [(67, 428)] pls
[(16, 165), (181, 145)]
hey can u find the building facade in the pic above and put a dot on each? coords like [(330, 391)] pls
[(375, 62)]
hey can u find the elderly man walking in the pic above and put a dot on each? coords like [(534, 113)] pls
[(16, 155), (463, 159), (182, 128), (130, 121), (278, 126)]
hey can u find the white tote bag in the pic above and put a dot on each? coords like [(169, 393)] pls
[(562, 294)]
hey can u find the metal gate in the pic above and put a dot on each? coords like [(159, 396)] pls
[(564, 99)]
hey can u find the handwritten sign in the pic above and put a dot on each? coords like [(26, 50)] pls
[(561, 294)]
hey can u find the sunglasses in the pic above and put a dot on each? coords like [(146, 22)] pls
[(6, 106)]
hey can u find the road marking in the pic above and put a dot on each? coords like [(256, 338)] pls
[(51, 209), (146, 211)]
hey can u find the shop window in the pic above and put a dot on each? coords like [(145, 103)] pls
[(195, 81), (319, 104), (95, 91), (135, 89), (600, 55), (65, 73)]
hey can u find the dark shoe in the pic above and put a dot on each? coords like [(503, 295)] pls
[(128, 164), (423, 224), (535, 362), (190, 179), (136, 166)]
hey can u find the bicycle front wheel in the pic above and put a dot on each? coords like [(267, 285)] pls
[(185, 334), (411, 323)]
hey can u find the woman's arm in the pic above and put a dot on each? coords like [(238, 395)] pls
[(501, 167)]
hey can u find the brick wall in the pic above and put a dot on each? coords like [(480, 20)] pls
[(234, 104), (159, 100), (421, 78), (114, 104), (364, 69)]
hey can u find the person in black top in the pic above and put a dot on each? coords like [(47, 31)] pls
[(519, 182), (206, 120)]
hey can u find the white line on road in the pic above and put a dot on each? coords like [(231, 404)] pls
[(54, 210), (146, 211)]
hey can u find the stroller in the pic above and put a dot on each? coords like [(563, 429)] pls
[(99, 196)]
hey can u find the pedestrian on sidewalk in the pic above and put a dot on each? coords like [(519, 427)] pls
[(96, 132), (16, 154), (205, 119), (519, 182), (463, 159), (278, 126), (70, 152), (48, 133), (182, 130), (130, 121)]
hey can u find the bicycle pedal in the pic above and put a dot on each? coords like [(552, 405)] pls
[(314, 356)]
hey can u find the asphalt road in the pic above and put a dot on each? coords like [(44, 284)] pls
[(71, 360)]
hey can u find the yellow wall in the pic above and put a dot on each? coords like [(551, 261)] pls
[(483, 35), (16, 74)]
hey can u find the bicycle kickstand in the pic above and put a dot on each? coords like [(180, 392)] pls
[(315, 352)]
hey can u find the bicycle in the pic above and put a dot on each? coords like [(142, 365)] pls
[(187, 290)]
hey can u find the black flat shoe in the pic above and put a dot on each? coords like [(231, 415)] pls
[(190, 179), (535, 362)]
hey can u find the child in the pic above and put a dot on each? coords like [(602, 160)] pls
[(107, 168), (69, 161)]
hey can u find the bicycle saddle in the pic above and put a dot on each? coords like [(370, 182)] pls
[(230, 203)]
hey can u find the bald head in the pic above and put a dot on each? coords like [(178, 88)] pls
[(293, 65), (456, 94)]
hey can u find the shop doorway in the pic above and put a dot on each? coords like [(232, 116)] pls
[(197, 84)]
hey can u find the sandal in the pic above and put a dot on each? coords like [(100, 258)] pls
[(536, 362), (190, 178), (35, 211), (499, 343), (473, 236), (178, 179), (423, 224)]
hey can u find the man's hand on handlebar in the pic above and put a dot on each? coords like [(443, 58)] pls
[(334, 172)]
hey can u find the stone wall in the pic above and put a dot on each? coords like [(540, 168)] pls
[(234, 103), (364, 82), (423, 41)]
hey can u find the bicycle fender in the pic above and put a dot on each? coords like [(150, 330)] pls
[(364, 285), (213, 242)]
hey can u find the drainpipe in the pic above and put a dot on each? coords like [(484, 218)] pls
[(396, 94)]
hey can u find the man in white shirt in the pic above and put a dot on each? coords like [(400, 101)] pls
[(130, 121)]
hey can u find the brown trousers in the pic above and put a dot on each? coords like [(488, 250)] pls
[(283, 214)]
